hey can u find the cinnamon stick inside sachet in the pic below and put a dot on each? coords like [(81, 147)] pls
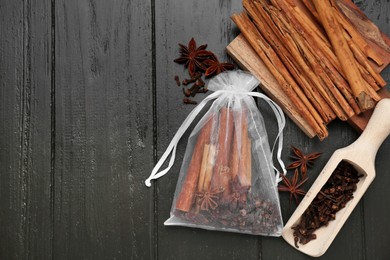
[(188, 189), (222, 172), (206, 170), (241, 158)]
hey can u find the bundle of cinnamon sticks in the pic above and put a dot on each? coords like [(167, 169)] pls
[(320, 60), (216, 191)]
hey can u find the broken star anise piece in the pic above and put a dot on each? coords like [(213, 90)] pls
[(209, 199), (293, 186), (214, 67), (192, 56), (302, 160)]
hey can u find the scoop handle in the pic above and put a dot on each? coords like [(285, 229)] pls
[(377, 129)]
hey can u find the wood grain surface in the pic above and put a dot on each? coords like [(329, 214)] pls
[(88, 105)]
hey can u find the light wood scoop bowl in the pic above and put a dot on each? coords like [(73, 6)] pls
[(361, 154)]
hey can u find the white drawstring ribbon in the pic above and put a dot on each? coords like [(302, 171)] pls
[(187, 122)]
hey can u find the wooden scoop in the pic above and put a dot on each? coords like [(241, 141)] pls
[(361, 154)]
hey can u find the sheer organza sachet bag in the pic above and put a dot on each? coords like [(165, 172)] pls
[(227, 180)]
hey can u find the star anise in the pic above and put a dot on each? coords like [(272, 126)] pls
[(292, 186), (215, 67), (192, 57), (209, 199), (302, 160)]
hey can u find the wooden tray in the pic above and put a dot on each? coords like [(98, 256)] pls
[(240, 50)]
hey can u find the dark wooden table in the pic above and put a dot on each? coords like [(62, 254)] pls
[(88, 105)]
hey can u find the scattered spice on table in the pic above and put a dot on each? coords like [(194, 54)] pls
[(333, 196), (177, 80), (215, 67), (192, 56), (189, 101), (293, 186), (198, 61), (302, 160)]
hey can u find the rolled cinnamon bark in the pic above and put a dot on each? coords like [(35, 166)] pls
[(361, 58), (343, 53), (357, 38), (222, 173), (289, 55), (209, 167), (241, 153), (203, 167), (278, 70), (245, 169), (188, 189), (321, 48)]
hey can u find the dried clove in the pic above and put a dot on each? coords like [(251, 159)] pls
[(177, 80), (187, 92), (189, 101), (194, 90), (192, 79), (203, 90)]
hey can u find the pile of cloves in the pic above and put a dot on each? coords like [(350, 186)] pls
[(198, 86), (333, 196)]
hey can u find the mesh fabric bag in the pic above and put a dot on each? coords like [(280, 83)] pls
[(227, 179)]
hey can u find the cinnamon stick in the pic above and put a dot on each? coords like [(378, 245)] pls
[(290, 57), (321, 51), (293, 41), (357, 38), (310, 21), (235, 152), (352, 34), (245, 170), (369, 79), (276, 67), (203, 167), (245, 160), (360, 57), (209, 167), (343, 53), (205, 172), (222, 173), (206, 167), (186, 196)]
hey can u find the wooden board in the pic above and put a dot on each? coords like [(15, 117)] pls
[(89, 103), (103, 130), (25, 130), (241, 51)]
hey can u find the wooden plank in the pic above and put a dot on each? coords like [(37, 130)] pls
[(176, 22), (25, 130), (104, 130), (376, 214)]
